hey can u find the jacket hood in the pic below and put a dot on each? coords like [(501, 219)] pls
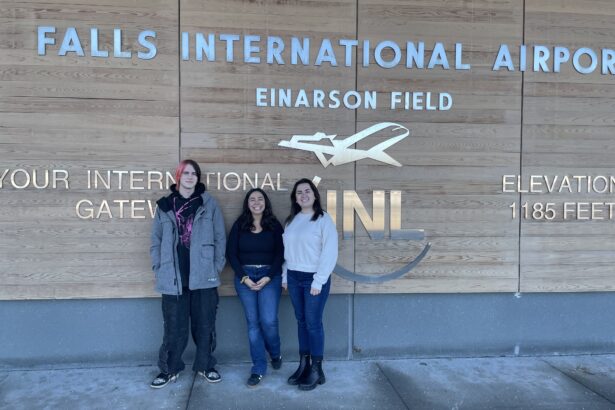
[(164, 203)]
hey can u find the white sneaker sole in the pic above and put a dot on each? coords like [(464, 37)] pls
[(202, 374), (171, 380)]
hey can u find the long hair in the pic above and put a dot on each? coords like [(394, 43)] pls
[(246, 220), (182, 165), (294, 206)]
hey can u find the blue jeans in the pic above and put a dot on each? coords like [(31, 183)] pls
[(308, 311), (261, 310)]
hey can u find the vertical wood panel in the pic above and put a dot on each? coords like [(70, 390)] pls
[(452, 160), (223, 129), (78, 113), (568, 130)]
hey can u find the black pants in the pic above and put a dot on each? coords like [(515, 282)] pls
[(199, 307)]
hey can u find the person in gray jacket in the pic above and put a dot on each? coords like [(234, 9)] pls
[(187, 252)]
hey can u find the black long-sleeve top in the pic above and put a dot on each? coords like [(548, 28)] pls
[(248, 248)]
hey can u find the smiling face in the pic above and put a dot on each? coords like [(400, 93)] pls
[(188, 178), (256, 203), (305, 197)]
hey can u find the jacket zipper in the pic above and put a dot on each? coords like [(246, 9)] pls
[(175, 265)]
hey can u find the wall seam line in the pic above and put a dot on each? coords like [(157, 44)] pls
[(179, 81), (351, 302), (521, 154)]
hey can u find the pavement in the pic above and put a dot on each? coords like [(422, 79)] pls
[(551, 382)]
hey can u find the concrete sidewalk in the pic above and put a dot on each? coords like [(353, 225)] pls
[(554, 382)]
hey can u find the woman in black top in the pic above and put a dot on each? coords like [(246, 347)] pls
[(256, 252)]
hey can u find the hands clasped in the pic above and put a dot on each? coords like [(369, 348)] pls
[(256, 286)]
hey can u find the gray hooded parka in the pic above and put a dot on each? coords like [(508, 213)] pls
[(207, 247)]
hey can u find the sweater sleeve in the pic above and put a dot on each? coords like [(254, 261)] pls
[(284, 266), (328, 254), (232, 250), (278, 259)]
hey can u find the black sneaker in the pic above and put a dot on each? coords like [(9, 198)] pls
[(254, 379), (211, 375), (163, 379), (276, 362)]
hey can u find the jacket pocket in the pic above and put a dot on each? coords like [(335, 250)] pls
[(165, 277), (167, 255), (166, 245), (207, 252)]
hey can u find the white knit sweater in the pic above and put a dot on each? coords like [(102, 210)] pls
[(310, 246)]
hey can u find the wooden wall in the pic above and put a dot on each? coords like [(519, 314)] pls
[(568, 129), (453, 160), (222, 128), (79, 113)]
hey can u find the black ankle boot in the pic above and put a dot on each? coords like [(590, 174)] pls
[(315, 377), (302, 370)]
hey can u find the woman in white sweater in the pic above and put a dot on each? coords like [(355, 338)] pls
[(310, 251)]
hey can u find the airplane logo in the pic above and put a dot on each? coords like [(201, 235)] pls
[(339, 152)]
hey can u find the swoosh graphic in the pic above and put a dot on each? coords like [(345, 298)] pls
[(356, 277)]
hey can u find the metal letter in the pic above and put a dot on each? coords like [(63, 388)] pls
[(458, 56), (117, 45), (90, 211), (438, 57), (396, 54), (43, 40), (71, 43), (248, 49), (6, 171), (608, 61), (94, 44), (332, 205), (326, 53), (60, 175), (395, 222), (560, 55), (208, 46), (35, 182), (147, 44), (185, 46), (365, 53), (541, 58), (522, 58), (229, 38), (446, 101), (302, 51), (349, 44), (14, 184), (414, 56), (577, 64), (503, 59), (275, 46), (352, 204)]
